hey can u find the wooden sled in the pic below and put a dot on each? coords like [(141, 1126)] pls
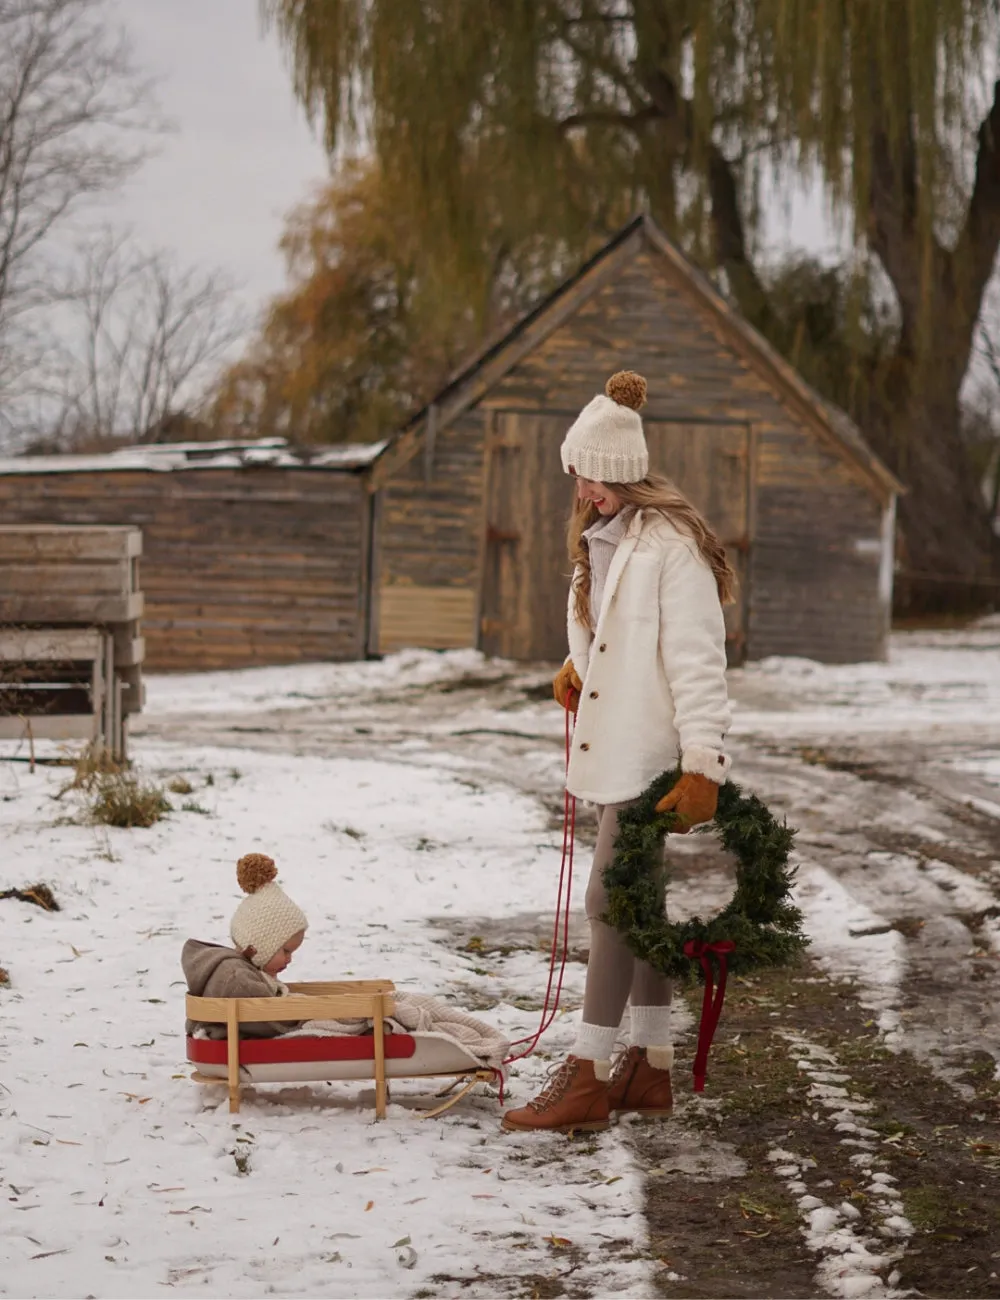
[(380, 1056)]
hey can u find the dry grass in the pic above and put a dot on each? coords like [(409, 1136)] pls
[(93, 764), (121, 799)]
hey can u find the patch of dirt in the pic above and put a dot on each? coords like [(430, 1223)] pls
[(969, 858), (487, 936), (744, 1238), (864, 770), (531, 1286)]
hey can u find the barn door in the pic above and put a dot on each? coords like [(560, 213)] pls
[(525, 569), (710, 463)]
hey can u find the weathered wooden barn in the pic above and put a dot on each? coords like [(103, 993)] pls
[(471, 499), (252, 554), (452, 533)]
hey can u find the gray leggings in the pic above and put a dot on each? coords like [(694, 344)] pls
[(614, 976)]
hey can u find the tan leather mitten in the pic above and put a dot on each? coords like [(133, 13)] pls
[(694, 799), (566, 687)]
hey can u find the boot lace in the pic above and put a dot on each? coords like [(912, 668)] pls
[(623, 1067), (560, 1075)]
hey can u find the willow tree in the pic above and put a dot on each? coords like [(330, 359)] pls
[(552, 119)]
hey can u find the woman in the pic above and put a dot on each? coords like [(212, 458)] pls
[(647, 670)]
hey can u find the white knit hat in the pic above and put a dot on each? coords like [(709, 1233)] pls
[(605, 442), (268, 918)]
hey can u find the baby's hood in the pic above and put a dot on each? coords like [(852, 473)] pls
[(200, 961)]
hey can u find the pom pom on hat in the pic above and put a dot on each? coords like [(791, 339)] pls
[(627, 389), (267, 918), (254, 871), (606, 443)]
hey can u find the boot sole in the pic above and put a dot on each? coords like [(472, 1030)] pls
[(586, 1126)]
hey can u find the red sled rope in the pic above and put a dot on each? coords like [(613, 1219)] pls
[(550, 1005)]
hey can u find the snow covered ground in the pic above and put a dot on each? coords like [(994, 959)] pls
[(932, 683), (121, 1172), (391, 801)]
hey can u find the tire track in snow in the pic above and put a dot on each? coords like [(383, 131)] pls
[(859, 1249)]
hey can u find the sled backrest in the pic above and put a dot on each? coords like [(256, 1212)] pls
[(336, 1000)]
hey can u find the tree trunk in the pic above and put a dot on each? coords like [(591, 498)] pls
[(950, 553), (948, 558)]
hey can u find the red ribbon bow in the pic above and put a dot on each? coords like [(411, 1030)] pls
[(711, 1006)]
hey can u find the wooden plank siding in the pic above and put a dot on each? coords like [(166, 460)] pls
[(430, 530), (815, 575), (812, 505), (241, 566)]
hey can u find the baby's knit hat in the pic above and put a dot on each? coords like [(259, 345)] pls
[(268, 918), (605, 442)]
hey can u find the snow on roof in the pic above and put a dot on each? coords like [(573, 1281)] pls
[(165, 457)]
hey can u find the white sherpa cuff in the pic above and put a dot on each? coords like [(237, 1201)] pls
[(705, 761)]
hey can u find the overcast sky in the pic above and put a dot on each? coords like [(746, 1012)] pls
[(242, 152)]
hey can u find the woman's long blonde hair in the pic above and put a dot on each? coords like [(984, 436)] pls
[(654, 492)]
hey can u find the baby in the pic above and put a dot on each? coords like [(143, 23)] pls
[(267, 929)]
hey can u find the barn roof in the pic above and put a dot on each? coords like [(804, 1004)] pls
[(275, 453), (500, 354)]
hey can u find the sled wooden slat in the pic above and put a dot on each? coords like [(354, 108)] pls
[(378, 1025), (233, 1054), (323, 988), (296, 1006)]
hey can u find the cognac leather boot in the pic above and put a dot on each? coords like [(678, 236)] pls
[(574, 1100), (639, 1087)]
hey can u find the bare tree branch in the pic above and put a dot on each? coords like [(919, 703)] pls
[(74, 117), (147, 338)]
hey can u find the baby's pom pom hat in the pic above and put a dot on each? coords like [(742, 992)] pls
[(605, 443), (267, 918)]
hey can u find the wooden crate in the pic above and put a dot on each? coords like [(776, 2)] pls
[(65, 575), (58, 583), (59, 684)]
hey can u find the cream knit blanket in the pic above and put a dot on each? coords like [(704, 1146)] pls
[(418, 1013)]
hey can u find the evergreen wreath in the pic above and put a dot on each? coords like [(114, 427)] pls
[(764, 925)]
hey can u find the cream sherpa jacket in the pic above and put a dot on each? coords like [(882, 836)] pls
[(653, 670)]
